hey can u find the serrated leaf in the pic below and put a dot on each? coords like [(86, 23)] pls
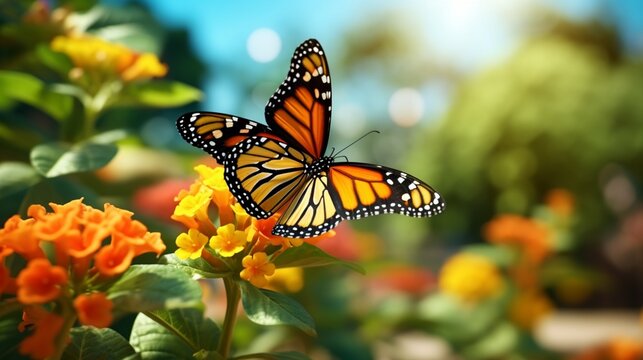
[(159, 94), (284, 355), (308, 255), (194, 266), (16, 176), (173, 334), (56, 159), (266, 307), (29, 89), (152, 287), (92, 343)]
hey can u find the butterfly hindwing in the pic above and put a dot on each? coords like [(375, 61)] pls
[(311, 212), (217, 133), (264, 174), (299, 111), (362, 190)]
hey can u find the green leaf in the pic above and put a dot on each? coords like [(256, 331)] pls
[(16, 176), (54, 60), (308, 255), (33, 91), (194, 267), (284, 355), (158, 93), (497, 342), (91, 343), (152, 287), (10, 337), (265, 307), (56, 159), (176, 333)]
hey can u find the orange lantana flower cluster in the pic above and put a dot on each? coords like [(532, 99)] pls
[(222, 232), (69, 253)]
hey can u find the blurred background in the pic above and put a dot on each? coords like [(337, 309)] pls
[(527, 117)]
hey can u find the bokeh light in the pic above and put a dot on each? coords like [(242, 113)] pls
[(263, 45), (406, 107)]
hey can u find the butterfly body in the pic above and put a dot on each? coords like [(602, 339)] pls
[(282, 168)]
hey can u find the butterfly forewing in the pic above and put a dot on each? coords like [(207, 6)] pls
[(217, 133), (264, 174), (299, 111), (362, 190)]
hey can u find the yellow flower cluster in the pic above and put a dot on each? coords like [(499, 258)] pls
[(96, 55), (470, 277), (235, 236)]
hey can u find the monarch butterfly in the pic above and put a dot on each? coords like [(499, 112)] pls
[(281, 168)]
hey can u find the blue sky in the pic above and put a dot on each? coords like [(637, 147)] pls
[(468, 34)]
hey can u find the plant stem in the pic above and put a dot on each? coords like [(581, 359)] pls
[(64, 333), (233, 295)]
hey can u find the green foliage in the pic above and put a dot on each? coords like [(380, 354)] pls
[(152, 287), (29, 89), (267, 307), (56, 159), (176, 333), (159, 94), (91, 343), (194, 266), (16, 176), (308, 255), (514, 130)]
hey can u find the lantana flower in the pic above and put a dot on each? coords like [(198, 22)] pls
[(93, 54), (90, 246), (255, 269), (239, 241)]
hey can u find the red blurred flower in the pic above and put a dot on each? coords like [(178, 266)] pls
[(158, 200)]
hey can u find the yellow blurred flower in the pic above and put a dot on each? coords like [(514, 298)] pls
[(93, 54), (528, 307), (255, 269), (228, 240), (289, 279), (190, 245), (470, 277)]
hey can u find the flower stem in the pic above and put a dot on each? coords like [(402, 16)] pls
[(233, 295), (62, 339)]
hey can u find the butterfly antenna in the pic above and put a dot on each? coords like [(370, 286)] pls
[(332, 151), (353, 143)]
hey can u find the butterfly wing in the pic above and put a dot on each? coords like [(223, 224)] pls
[(352, 191), (311, 212), (217, 133), (361, 190), (299, 111), (264, 174)]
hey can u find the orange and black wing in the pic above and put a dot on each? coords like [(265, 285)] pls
[(217, 133), (299, 111), (360, 190), (264, 174)]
